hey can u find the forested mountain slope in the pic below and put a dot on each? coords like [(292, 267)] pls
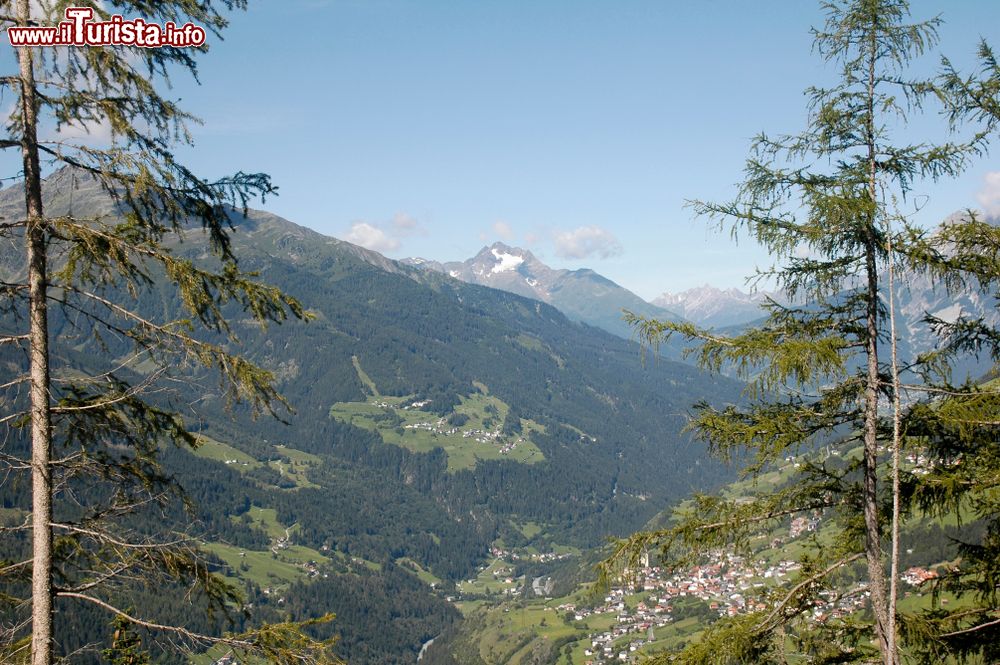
[(433, 419)]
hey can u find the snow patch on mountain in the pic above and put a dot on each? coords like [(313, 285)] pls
[(711, 306), (583, 295), (505, 261)]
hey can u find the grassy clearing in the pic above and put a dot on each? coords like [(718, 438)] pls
[(530, 342), (276, 567), (209, 448), (513, 631), (422, 573), (671, 635), (295, 464), (401, 421), (491, 581), (266, 519), (470, 607), (266, 569), (529, 529), (292, 464), (298, 456), (11, 516), (366, 380)]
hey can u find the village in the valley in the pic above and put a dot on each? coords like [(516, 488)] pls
[(649, 598), (647, 603), (727, 583)]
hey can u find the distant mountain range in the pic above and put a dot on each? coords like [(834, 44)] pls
[(717, 308), (582, 295), (585, 295)]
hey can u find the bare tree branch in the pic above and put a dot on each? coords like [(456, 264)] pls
[(766, 624), (177, 630), (973, 629), (105, 537)]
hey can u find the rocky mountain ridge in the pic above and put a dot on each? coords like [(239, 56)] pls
[(582, 295)]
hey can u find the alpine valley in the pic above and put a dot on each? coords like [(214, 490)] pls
[(435, 423)]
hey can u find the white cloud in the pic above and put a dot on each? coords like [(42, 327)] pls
[(989, 195), (384, 236), (586, 242), (95, 134), (403, 223), (371, 237), (503, 230)]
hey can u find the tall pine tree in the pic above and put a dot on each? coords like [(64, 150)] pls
[(94, 438), (827, 204)]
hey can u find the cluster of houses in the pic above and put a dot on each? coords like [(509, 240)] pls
[(922, 463), (432, 427), (917, 575), (482, 436), (441, 427), (281, 543), (418, 404), (603, 649), (511, 555), (632, 629), (479, 435), (801, 525), (727, 583)]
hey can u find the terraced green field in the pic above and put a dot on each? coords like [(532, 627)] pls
[(473, 434), (292, 464)]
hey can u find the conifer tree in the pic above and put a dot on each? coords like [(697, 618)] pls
[(959, 430), (94, 430), (827, 204)]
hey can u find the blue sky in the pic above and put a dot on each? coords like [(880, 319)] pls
[(577, 128)]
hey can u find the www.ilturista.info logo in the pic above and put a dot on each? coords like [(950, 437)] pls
[(79, 29)]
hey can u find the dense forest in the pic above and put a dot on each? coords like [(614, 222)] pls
[(609, 422)]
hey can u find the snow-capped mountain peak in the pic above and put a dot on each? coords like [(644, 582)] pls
[(582, 294), (711, 306)]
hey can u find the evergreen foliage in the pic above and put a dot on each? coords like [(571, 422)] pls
[(95, 436), (828, 204)]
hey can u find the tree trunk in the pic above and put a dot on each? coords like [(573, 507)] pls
[(873, 531), (38, 339), (897, 411)]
